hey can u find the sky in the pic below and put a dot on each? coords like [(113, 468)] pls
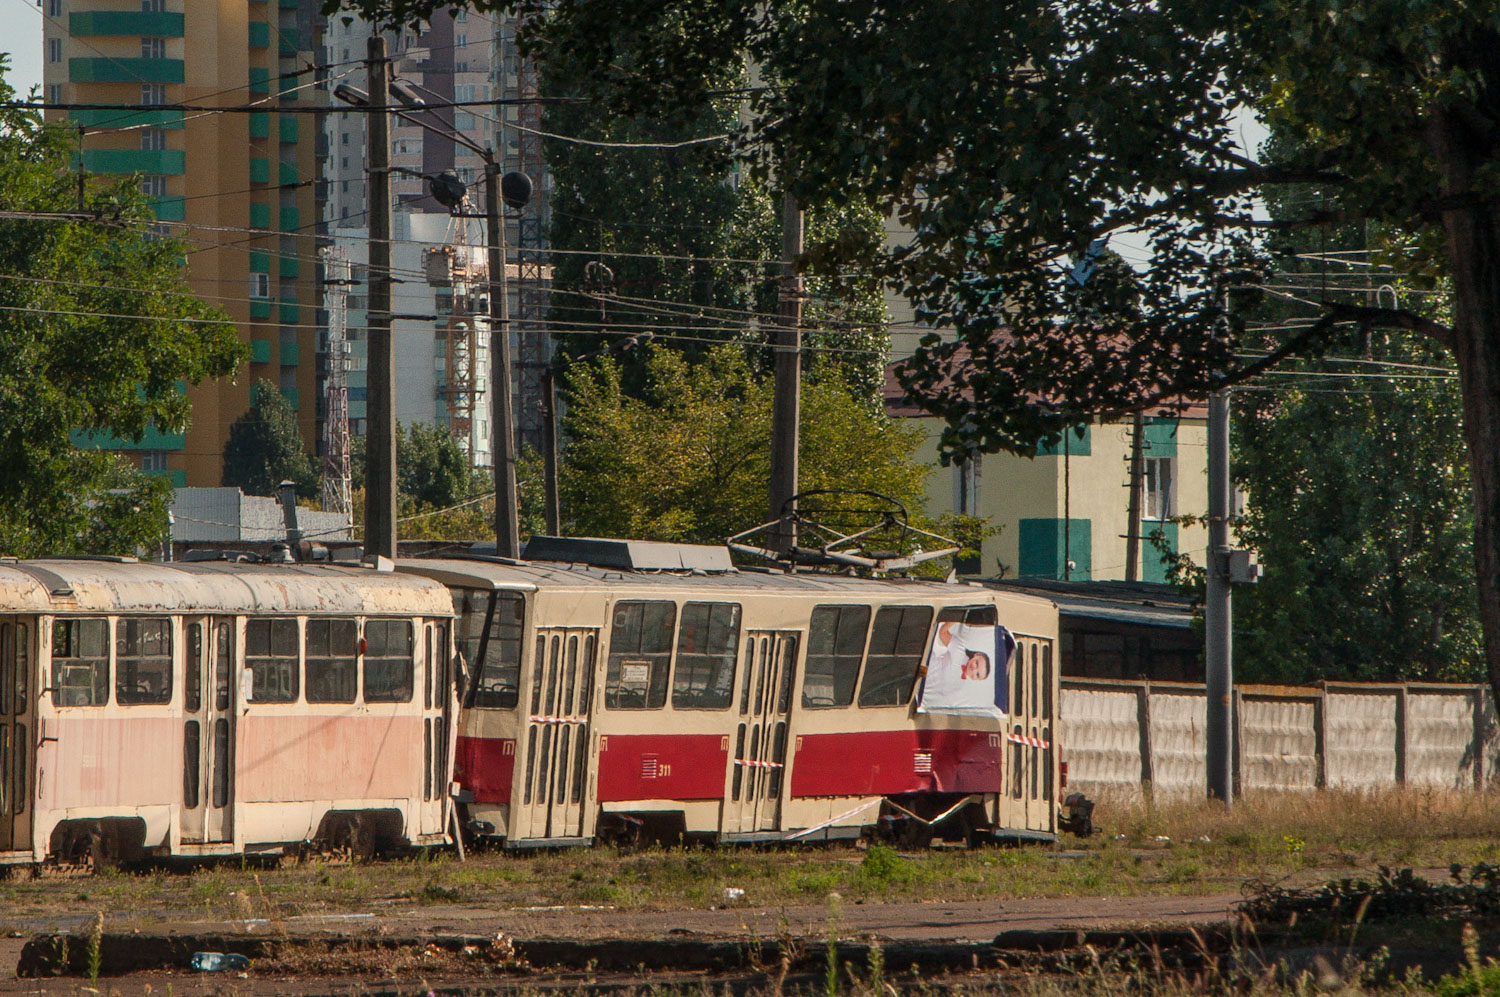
[(21, 36)]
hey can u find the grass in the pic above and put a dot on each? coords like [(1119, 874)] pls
[(1142, 849)]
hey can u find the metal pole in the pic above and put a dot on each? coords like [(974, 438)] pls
[(788, 402), (1133, 502), (549, 450), (502, 430), (380, 431), (1217, 616)]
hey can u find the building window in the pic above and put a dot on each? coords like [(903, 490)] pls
[(153, 48), (463, 40), (461, 67), (1156, 484), (344, 140), (260, 285), (153, 460), (966, 487), (154, 185), (463, 121), (54, 50), (153, 139), (153, 93), (461, 16), (153, 6), (54, 93), (54, 8)]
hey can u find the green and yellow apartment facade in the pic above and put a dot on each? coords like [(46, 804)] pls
[(239, 188), (1064, 514)]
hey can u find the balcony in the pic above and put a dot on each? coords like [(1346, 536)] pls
[(260, 215), (260, 34), (126, 119), (260, 351), (151, 439), (157, 24), (260, 170), (109, 70), (169, 209), (260, 79), (290, 354), (291, 312), (260, 308), (287, 127), (260, 124), (291, 219), (170, 161), (286, 173)]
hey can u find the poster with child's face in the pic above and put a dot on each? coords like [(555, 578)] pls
[(966, 671)]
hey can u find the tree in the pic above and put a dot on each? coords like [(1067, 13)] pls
[(1360, 510), (265, 448), (687, 460), (675, 239), (97, 333), (432, 471), (1012, 136)]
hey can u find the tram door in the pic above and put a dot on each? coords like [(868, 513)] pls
[(556, 772), (437, 720), (1031, 778), (17, 721), (758, 763), (208, 732)]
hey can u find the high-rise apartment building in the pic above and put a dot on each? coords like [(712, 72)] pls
[(240, 188)]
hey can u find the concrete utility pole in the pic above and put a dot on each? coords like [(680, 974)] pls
[(1217, 615), (380, 432), (788, 403), (502, 430)]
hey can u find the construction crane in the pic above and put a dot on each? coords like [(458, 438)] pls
[(336, 471)]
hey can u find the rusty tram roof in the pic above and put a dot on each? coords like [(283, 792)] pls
[(123, 585)]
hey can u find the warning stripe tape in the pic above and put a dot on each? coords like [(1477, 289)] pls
[(756, 764), (558, 720), (1034, 742)]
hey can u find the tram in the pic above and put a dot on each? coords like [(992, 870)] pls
[(216, 708), (619, 689)]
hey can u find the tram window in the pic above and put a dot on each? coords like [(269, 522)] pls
[(896, 646), (972, 616), (143, 661), (80, 662), (707, 645), (499, 674), (271, 656), (388, 661), (332, 662), (640, 649), (191, 751), (192, 670), (835, 644)]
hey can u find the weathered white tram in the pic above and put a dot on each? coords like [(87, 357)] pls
[(632, 686), (213, 708)]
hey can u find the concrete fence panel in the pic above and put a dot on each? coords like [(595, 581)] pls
[(1121, 735), (1178, 743), (1278, 743), (1101, 737), (1441, 747), (1361, 747)]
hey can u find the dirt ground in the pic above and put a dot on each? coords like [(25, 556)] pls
[(967, 921)]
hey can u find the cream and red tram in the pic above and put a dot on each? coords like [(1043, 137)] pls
[(736, 705), (213, 708)]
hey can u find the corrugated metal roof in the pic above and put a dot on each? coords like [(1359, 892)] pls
[(1141, 603), (88, 585)]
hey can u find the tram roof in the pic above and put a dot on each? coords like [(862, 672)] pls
[(529, 576), (123, 585)]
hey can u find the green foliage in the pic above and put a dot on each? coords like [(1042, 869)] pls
[(683, 242), (66, 366), (265, 447), (1361, 511), (688, 460), (431, 469)]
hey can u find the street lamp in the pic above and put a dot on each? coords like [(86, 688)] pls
[(447, 188), (549, 444)]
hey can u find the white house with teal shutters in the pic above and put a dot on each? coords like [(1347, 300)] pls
[(1064, 514)]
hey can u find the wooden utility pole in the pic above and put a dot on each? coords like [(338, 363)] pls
[(380, 431), (502, 429), (1133, 503), (788, 404)]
